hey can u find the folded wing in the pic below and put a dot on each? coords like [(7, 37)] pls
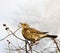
[(36, 31)]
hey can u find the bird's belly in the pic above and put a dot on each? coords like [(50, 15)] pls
[(32, 37)]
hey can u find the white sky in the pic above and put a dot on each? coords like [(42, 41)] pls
[(40, 14)]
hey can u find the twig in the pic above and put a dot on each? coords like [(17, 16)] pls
[(15, 35), (30, 47), (16, 49), (58, 41), (26, 41), (17, 30), (35, 51), (47, 48), (8, 45), (56, 44), (8, 35), (5, 37)]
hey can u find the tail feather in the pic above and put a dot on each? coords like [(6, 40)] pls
[(45, 32), (52, 36)]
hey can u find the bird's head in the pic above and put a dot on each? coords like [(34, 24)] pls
[(24, 25)]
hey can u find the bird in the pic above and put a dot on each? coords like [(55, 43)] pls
[(32, 34)]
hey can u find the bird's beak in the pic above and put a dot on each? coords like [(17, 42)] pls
[(20, 23)]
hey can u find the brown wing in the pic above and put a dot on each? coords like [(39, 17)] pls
[(36, 31)]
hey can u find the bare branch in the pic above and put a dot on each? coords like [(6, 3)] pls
[(56, 44)]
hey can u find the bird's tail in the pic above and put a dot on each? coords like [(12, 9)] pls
[(52, 36)]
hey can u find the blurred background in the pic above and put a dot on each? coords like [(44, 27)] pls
[(43, 15)]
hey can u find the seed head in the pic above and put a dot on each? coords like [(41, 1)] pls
[(4, 24), (6, 28)]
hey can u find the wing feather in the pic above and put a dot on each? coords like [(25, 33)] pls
[(36, 31)]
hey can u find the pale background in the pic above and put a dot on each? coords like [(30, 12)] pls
[(43, 15)]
